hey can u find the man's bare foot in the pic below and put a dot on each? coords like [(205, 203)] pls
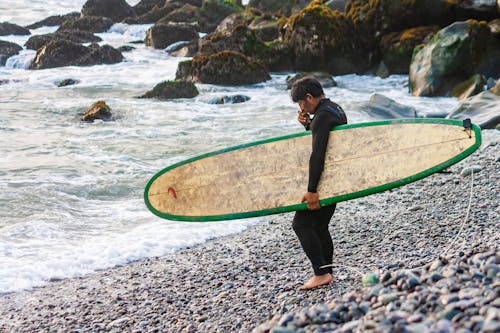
[(316, 281)]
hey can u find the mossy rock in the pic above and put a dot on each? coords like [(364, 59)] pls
[(282, 7), (223, 68), (212, 12), (94, 24), (375, 17), (324, 40), (453, 55), (397, 47), (172, 90), (98, 110), (241, 39)]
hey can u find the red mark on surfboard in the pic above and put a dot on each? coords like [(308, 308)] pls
[(172, 192)]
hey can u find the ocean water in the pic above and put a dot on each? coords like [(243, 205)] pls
[(71, 192)]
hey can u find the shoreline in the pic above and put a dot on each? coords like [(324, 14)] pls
[(237, 282)]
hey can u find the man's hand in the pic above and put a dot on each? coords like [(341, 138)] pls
[(303, 117), (312, 200)]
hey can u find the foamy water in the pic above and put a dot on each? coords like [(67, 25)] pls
[(71, 199)]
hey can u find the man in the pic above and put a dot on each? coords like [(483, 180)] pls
[(311, 225)]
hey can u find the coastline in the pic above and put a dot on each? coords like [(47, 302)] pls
[(237, 282)]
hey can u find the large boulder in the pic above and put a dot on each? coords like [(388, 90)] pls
[(145, 6), (172, 90), (241, 39), (320, 39), (375, 18), (382, 107), (7, 28), (223, 68), (98, 110), (7, 50), (453, 55), (474, 85), (212, 12), (265, 26), (75, 36), (61, 53), (280, 7), (93, 24), (483, 109), (154, 14), (162, 35), (186, 14), (53, 20), (115, 10), (397, 47)]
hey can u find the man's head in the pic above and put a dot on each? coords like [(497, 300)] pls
[(307, 92)]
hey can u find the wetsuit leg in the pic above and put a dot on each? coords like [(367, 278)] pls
[(311, 227)]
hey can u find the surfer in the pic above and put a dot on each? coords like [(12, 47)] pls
[(311, 225)]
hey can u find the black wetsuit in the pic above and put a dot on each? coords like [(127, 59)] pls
[(311, 226)]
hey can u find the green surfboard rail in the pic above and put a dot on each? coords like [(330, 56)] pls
[(326, 201)]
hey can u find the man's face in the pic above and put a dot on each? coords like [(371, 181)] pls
[(308, 104)]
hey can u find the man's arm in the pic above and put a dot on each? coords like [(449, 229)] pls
[(320, 136)]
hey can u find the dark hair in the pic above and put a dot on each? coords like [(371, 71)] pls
[(304, 86)]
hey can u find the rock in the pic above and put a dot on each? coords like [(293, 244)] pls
[(93, 24), (234, 99), (397, 47), (67, 82), (281, 7), (337, 5), (495, 28), (53, 20), (7, 28), (320, 39), (382, 107), (496, 88), (75, 36), (116, 10), (156, 13), (457, 51), (185, 14), (98, 110), (382, 71), (369, 280), (212, 12), (65, 53), (466, 172), (7, 50), (241, 39), (172, 90), (145, 6), (483, 109), (225, 68), (182, 49), (325, 79), (265, 29), (473, 86), (162, 35), (126, 48)]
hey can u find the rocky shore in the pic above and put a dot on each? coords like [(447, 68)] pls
[(390, 242)]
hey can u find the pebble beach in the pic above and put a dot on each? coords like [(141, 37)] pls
[(412, 259)]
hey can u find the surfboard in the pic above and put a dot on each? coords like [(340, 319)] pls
[(270, 176)]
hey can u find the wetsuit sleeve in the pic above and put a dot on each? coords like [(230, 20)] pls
[(320, 134)]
